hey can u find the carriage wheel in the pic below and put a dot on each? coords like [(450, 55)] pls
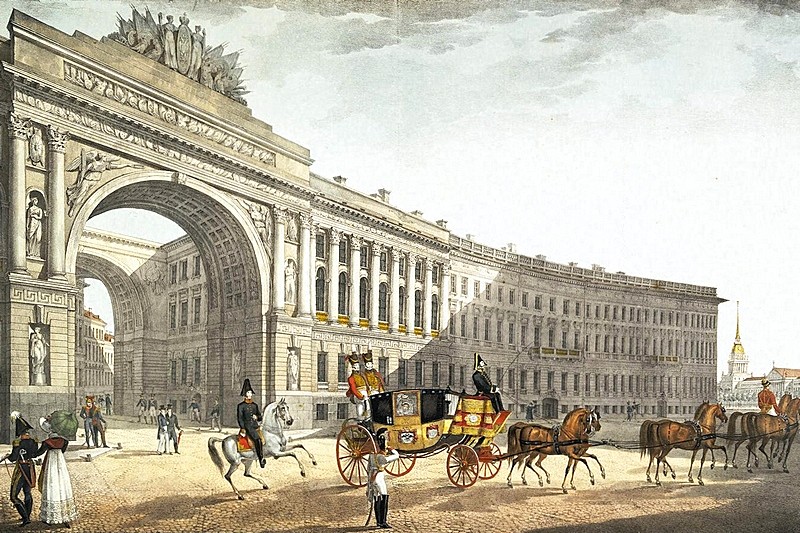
[(462, 466), (489, 465), (353, 446), (402, 466)]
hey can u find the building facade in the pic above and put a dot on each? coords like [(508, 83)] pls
[(94, 361)]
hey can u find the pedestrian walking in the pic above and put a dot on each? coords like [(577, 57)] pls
[(215, 416), (174, 430), (109, 409), (141, 409), (162, 430), (58, 504)]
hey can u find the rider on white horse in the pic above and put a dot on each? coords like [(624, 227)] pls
[(248, 415)]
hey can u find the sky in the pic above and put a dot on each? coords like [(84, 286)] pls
[(658, 138)]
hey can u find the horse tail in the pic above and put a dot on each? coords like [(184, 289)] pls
[(512, 447), (644, 432), (214, 453), (731, 434)]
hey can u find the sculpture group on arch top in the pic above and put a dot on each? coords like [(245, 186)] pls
[(182, 50)]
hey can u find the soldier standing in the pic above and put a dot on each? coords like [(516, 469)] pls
[(141, 408), (375, 384), (215, 416), (151, 409), (377, 491), (248, 415), (24, 476)]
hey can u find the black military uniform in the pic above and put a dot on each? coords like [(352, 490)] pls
[(24, 476), (484, 384), (248, 415)]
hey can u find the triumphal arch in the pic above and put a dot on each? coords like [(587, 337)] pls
[(155, 121)]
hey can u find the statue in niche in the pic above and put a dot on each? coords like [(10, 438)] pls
[(90, 166), (291, 282), (292, 370), (37, 347), (291, 228), (33, 233), (36, 147)]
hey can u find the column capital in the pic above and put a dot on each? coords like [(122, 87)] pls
[(429, 264), (57, 139), (412, 257), (336, 236), (356, 242), (306, 221), (445, 270), (377, 249), (281, 215), (18, 127), (396, 255)]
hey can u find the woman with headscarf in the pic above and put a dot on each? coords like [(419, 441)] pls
[(58, 505)]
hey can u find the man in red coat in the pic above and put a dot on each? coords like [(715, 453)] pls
[(357, 389), (766, 400)]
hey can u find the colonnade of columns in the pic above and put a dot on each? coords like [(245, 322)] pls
[(335, 240)]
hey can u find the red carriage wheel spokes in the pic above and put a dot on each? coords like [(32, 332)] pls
[(353, 446), (462, 466), (402, 466), (489, 466)]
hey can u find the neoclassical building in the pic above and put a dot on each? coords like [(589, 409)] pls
[(94, 357), (285, 271)]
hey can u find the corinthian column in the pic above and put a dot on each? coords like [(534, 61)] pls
[(304, 293), (444, 299), (355, 279), (279, 266), (18, 130), (394, 314), (333, 276), (410, 266), (312, 269), (57, 144), (375, 282), (426, 308)]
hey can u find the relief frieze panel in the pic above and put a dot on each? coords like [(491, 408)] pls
[(119, 93)]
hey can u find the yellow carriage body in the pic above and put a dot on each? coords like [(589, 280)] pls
[(476, 417)]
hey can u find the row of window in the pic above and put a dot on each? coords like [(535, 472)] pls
[(175, 378), (606, 312), (384, 299), (345, 254), (456, 378), (182, 268), (183, 318)]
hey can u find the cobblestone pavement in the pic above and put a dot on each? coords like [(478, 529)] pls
[(133, 489)]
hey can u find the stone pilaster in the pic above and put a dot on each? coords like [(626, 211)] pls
[(394, 313), (375, 282), (279, 261), (304, 292), (18, 130), (56, 239), (333, 276), (355, 278)]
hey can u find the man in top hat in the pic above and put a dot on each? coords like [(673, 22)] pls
[(484, 383), (248, 415), (24, 476), (173, 428), (163, 431), (374, 378), (357, 389), (766, 400)]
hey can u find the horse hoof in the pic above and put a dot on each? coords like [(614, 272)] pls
[(524, 482), (265, 487), (603, 475), (510, 485), (303, 474), (658, 483), (314, 463), (673, 475), (725, 467), (700, 482), (591, 481), (735, 465), (240, 497), (649, 480), (691, 480), (785, 470), (712, 466), (750, 470), (540, 483), (564, 490)]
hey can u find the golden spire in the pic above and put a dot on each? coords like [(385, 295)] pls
[(737, 349), (738, 339)]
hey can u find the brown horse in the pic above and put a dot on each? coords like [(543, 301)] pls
[(738, 428), (648, 439), (793, 411), (666, 435), (529, 442), (766, 428)]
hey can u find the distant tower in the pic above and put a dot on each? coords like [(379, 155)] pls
[(737, 360)]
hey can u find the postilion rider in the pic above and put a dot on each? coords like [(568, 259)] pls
[(248, 415), (766, 400), (363, 384)]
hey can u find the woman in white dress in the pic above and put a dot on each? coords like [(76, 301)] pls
[(58, 505), (376, 488)]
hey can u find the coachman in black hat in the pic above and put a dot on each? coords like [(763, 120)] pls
[(484, 383), (248, 415), (24, 476)]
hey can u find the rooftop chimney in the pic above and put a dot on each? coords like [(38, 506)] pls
[(340, 179), (442, 223)]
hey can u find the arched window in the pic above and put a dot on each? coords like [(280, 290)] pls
[(417, 309), (343, 292), (320, 287), (383, 300), (403, 306), (434, 313), (363, 298)]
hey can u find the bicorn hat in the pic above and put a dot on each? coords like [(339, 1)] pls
[(169, 406), (90, 398), (368, 357), (479, 362), (246, 387), (353, 358), (21, 424), (764, 382), (162, 408)]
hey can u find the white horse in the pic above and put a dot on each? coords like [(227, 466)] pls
[(276, 445)]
